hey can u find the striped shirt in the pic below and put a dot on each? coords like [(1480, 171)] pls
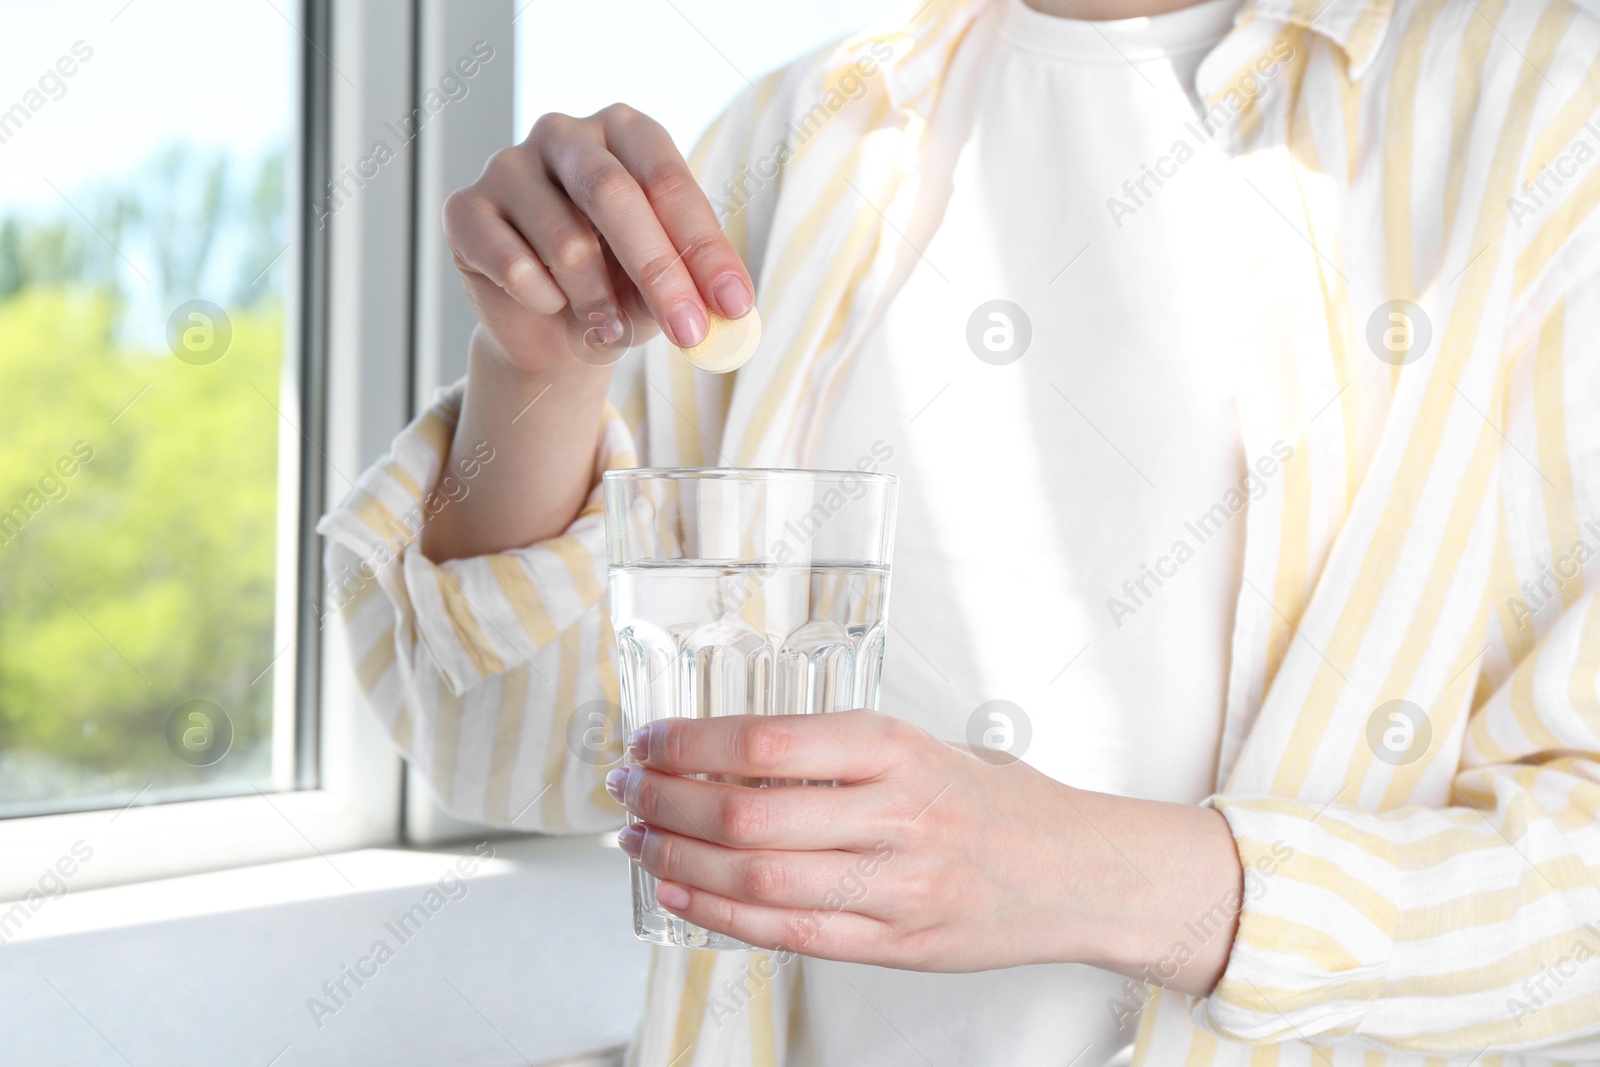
[(1410, 760)]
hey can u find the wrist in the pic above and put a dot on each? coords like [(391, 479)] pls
[(1108, 928), (1161, 903), (489, 363), (548, 423)]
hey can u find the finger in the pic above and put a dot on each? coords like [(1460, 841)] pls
[(785, 817), (772, 877), (561, 236), (646, 149), (634, 308), (609, 197), (830, 935), (845, 746), (483, 242)]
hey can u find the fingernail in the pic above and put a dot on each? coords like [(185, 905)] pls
[(733, 296), (688, 324), (519, 276), (616, 781), (672, 897), (631, 840), (639, 744), (605, 326)]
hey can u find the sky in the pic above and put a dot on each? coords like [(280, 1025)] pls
[(213, 72)]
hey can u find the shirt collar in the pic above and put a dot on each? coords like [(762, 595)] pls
[(925, 33), (1356, 26)]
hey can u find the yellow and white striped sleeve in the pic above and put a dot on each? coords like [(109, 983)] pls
[(489, 672), (1476, 926)]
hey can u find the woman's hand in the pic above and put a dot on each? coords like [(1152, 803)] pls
[(573, 245), (923, 857), (584, 237)]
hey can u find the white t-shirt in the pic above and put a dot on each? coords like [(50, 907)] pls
[(1032, 490)]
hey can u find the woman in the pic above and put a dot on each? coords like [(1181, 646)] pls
[(1233, 360)]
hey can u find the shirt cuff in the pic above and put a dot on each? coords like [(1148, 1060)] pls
[(1317, 922), (479, 616)]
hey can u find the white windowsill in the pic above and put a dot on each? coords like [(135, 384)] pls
[(533, 962)]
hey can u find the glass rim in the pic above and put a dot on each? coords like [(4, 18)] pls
[(766, 473)]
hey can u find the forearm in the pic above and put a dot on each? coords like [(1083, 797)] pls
[(1164, 903), (543, 426)]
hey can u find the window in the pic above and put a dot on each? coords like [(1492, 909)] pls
[(186, 372), (144, 275)]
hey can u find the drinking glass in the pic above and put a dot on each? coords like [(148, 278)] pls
[(744, 592)]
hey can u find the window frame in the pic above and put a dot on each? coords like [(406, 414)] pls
[(348, 382), (451, 153)]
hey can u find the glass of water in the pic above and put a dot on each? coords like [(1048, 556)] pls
[(744, 592)]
